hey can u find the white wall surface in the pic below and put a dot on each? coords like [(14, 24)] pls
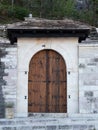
[(67, 47)]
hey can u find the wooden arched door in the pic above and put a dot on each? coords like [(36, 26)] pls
[(47, 87)]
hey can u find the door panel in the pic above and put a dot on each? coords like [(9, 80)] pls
[(47, 90)]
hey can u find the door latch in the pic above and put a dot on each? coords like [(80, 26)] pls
[(69, 96), (25, 97)]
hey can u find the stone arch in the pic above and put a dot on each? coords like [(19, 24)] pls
[(32, 51)]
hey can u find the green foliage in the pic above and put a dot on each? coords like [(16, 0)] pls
[(58, 9), (94, 4), (3, 9), (51, 9), (13, 12), (85, 16), (70, 10), (20, 12), (5, 2)]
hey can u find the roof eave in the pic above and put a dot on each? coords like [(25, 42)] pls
[(14, 33)]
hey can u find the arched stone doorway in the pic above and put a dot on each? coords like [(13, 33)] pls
[(47, 83)]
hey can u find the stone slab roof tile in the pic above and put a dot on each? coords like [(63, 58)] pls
[(49, 24)]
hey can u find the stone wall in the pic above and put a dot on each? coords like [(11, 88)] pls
[(88, 77), (8, 76)]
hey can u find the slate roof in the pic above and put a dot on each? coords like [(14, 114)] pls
[(47, 28), (49, 24)]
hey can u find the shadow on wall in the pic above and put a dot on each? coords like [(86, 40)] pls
[(2, 83)]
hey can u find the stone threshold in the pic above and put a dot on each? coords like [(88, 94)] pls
[(63, 115), (49, 115)]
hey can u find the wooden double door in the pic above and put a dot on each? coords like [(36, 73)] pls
[(47, 87)]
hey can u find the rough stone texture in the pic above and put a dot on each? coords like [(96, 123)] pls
[(88, 78), (38, 23), (8, 77), (2, 31), (49, 124), (2, 82)]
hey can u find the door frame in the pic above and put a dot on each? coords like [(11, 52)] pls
[(67, 48)]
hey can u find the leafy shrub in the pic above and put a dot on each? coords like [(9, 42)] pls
[(20, 12), (15, 11)]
